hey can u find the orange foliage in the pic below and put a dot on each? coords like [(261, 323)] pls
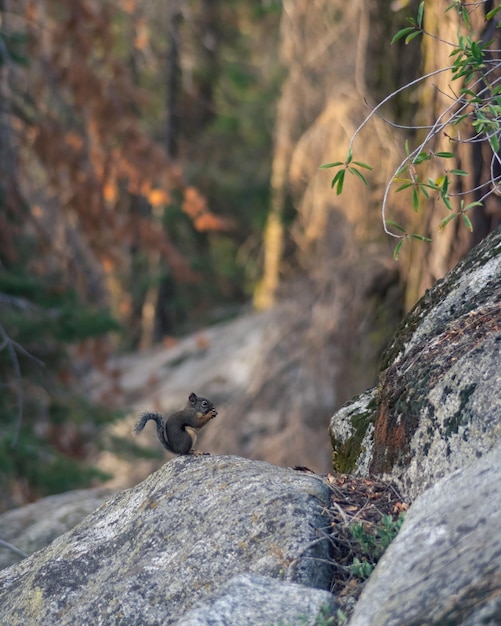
[(142, 38), (208, 221), (158, 197), (195, 206), (99, 151), (110, 191)]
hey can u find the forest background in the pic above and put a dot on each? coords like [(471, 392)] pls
[(159, 171)]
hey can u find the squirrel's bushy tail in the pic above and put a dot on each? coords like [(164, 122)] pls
[(159, 421)]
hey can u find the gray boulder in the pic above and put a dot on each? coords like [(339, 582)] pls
[(35, 526), (437, 406), (251, 599), (149, 554), (444, 567), (352, 434)]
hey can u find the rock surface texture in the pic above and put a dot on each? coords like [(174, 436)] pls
[(149, 553), (444, 567), (437, 406), (252, 599), (35, 526)]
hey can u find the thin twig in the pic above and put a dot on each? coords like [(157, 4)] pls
[(8, 343), (9, 546)]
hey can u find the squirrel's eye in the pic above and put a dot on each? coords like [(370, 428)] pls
[(205, 403)]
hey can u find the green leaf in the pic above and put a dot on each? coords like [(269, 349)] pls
[(433, 185), (476, 52), (420, 14), (412, 36), (349, 157), (405, 186), (422, 188), (327, 165), (338, 181), (353, 170), (494, 142), (468, 77), (471, 205), (444, 155), (422, 156), (446, 220), (466, 17), (415, 200), (364, 165), (395, 225), (335, 179), (396, 251), (447, 202), (459, 172), (467, 223), (421, 238), (468, 92), (402, 33), (493, 12)]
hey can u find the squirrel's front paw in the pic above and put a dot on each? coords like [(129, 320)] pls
[(212, 414)]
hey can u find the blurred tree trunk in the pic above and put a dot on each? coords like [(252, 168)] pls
[(488, 217), (8, 177), (364, 65), (163, 324), (186, 118), (172, 79), (273, 240), (296, 108), (140, 267), (426, 264), (208, 39)]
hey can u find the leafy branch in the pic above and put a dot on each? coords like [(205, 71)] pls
[(478, 101), (347, 166)]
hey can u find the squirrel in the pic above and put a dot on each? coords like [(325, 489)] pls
[(178, 433)]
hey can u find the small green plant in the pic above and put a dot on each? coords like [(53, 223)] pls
[(372, 542), (476, 100), (361, 569), (325, 617), (350, 166), (341, 617)]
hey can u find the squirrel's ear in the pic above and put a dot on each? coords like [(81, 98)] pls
[(193, 398)]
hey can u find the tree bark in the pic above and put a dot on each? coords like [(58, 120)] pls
[(172, 79)]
